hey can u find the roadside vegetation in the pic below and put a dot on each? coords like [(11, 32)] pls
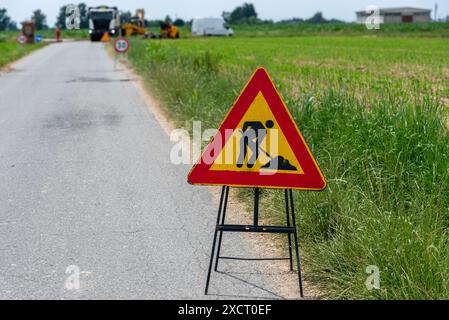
[(10, 50), (374, 111), (431, 29), (81, 34)]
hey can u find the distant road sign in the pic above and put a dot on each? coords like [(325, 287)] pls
[(258, 145), (21, 39), (121, 45), (38, 38)]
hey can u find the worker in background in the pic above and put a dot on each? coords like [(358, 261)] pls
[(254, 132), (58, 34)]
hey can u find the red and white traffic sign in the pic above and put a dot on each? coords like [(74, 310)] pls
[(121, 45), (21, 39), (258, 145)]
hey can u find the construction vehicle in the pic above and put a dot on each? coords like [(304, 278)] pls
[(169, 31), (136, 25), (103, 19)]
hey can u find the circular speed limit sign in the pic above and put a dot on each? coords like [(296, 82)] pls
[(21, 39), (121, 45)]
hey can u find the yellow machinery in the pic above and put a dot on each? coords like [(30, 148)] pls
[(136, 25), (169, 31)]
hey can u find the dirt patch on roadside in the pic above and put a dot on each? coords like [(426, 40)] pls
[(7, 68)]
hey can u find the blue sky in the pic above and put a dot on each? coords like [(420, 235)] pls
[(20, 10)]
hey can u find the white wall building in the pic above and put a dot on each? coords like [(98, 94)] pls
[(397, 15)]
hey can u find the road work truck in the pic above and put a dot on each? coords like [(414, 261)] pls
[(103, 19)]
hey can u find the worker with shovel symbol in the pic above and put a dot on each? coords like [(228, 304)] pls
[(254, 132)]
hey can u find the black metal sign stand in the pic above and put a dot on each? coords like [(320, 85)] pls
[(255, 228)]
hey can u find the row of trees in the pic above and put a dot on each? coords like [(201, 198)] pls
[(247, 14), (316, 18), (40, 19), (126, 16), (243, 14), (84, 20), (6, 23)]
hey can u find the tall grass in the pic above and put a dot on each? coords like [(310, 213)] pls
[(431, 29), (386, 204), (385, 155), (10, 50), (81, 34)]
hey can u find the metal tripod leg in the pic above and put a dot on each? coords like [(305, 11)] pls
[(298, 260), (215, 240), (288, 225), (225, 206)]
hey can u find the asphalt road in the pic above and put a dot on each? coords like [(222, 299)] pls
[(86, 180)]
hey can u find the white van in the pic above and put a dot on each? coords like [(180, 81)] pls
[(211, 27)]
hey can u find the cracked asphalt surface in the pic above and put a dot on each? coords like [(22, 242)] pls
[(86, 180)]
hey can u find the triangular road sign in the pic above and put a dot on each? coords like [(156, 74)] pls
[(258, 145), (105, 37)]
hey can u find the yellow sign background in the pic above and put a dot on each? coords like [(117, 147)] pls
[(258, 111)]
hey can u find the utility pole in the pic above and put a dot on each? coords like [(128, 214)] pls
[(436, 12)]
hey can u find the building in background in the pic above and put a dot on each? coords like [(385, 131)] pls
[(397, 15)]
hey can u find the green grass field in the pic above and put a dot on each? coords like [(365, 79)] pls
[(374, 111), (10, 50), (334, 29), (82, 34)]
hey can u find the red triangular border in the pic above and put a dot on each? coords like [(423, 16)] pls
[(312, 179)]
